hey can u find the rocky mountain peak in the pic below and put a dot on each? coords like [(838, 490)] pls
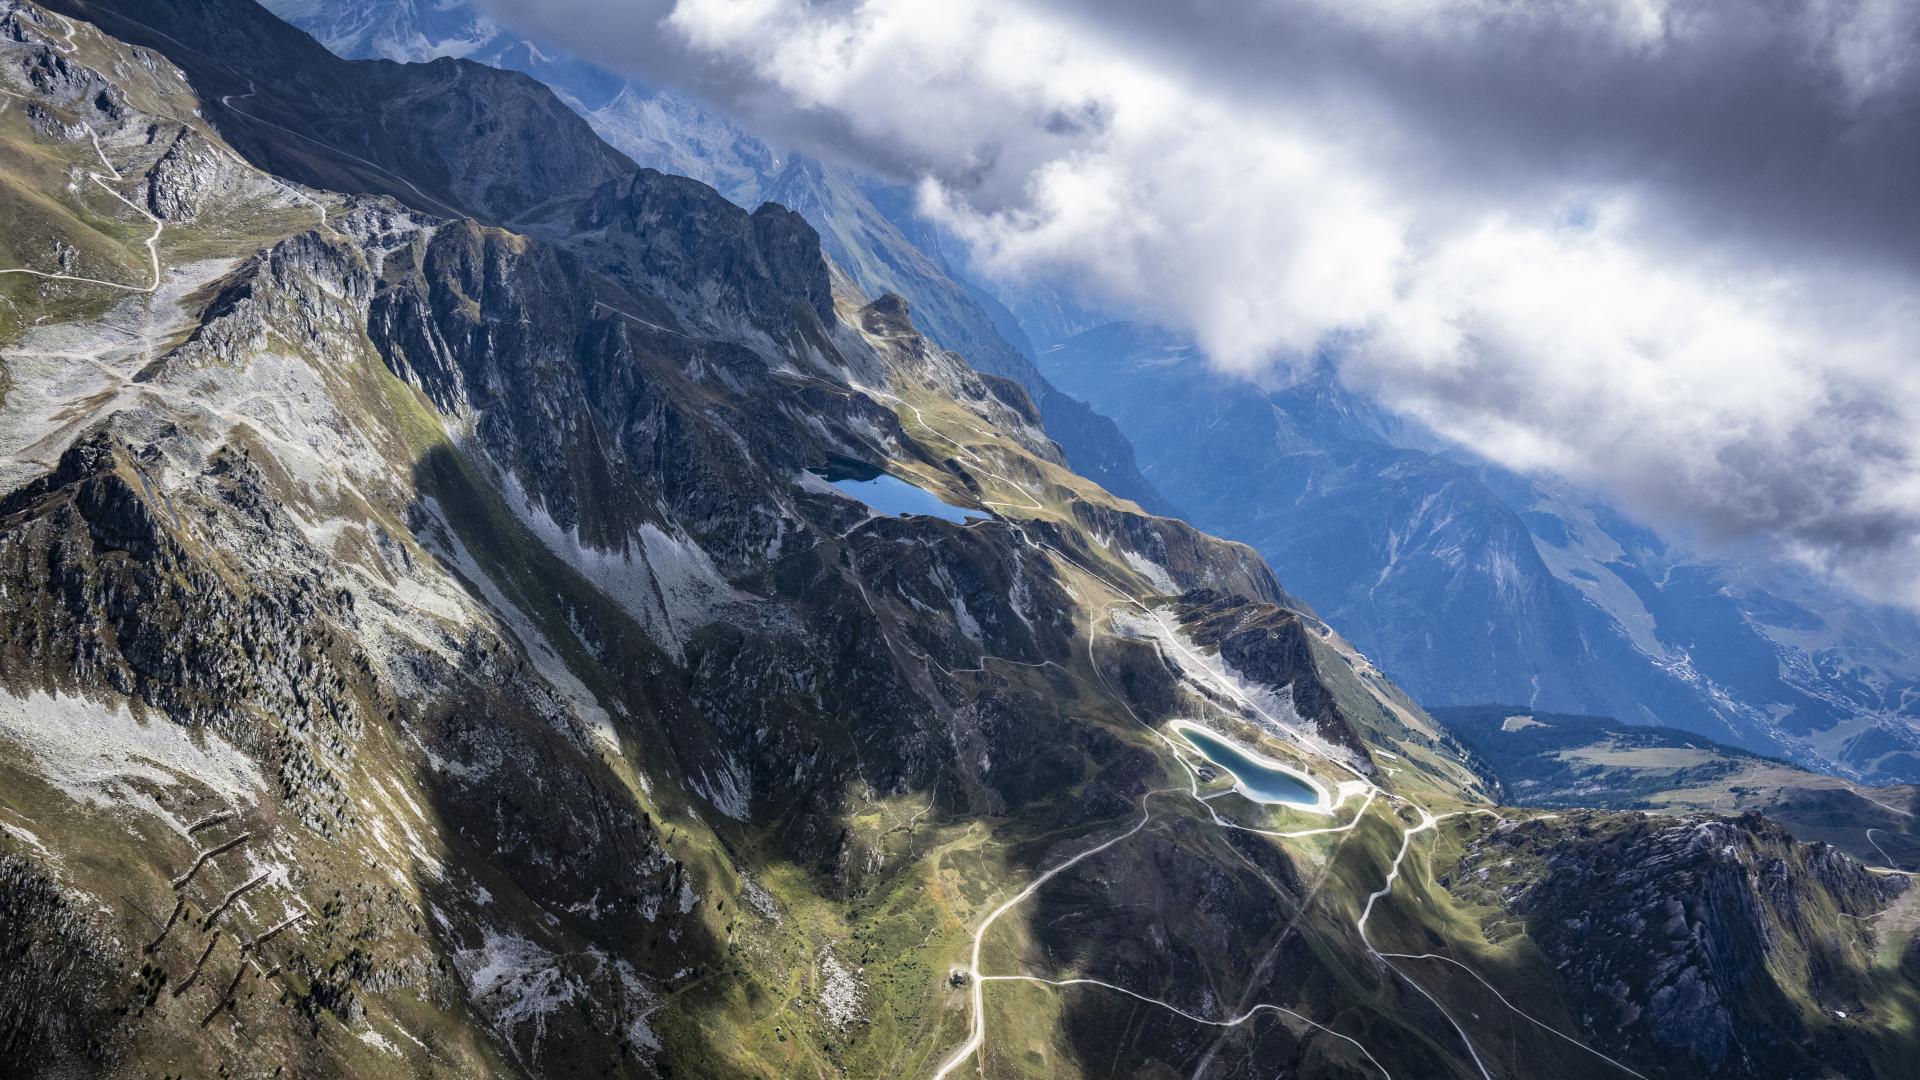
[(682, 238), (888, 314)]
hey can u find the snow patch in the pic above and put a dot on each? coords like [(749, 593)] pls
[(1020, 596), (93, 752), (1270, 708), (961, 616), (514, 982), (666, 582), (546, 659), (1155, 574), (26, 837), (729, 788)]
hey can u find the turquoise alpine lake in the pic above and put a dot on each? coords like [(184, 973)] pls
[(891, 495), (1261, 783)]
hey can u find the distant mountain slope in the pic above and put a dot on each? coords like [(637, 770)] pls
[(870, 245), (675, 134), (431, 136), (1563, 760), (1469, 583), (395, 29)]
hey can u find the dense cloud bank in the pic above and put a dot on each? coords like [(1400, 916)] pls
[(1666, 248)]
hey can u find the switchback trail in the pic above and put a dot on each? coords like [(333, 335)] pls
[(1426, 820)]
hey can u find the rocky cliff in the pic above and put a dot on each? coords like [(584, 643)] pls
[(1717, 940)]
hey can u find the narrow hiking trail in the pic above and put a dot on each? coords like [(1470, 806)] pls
[(227, 102), (152, 243), (1233, 1023), (113, 175), (964, 451)]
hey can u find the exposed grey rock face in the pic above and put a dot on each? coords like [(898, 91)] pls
[(179, 181), (53, 80), (402, 30), (49, 127), (668, 234), (167, 564), (886, 250), (867, 230), (675, 134), (100, 579), (1270, 644), (452, 137), (1698, 937), (505, 146), (52, 1011), (171, 559)]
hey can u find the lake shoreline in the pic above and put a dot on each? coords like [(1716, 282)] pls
[(1323, 800)]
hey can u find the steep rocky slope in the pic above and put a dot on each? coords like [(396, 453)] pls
[(450, 137), (430, 649), (872, 243), (864, 227), (1711, 960)]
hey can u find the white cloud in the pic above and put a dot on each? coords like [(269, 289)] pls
[(1260, 242), (1719, 395), (1651, 244), (1870, 43)]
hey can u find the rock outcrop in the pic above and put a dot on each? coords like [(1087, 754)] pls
[(1697, 940)]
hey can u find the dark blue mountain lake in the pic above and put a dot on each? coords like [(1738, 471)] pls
[(1261, 783), (889, 494)]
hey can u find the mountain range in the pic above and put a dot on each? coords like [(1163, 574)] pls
[(1470, 583), (677, 134), (459, 622)]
